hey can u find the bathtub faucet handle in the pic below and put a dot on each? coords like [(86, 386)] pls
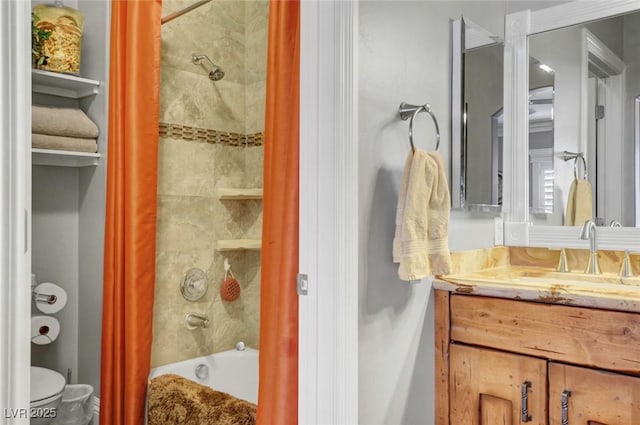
[(195, 320)]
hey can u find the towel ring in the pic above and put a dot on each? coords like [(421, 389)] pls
[(575, 155), (408, 111)]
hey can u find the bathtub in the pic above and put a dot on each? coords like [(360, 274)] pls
[(234, 372)]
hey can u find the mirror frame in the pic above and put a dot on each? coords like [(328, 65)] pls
[(457, 178), (518, 229)]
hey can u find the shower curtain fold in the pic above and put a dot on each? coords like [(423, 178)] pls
[(130, 228), (278, 392)]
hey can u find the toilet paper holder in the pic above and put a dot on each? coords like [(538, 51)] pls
[(44, 298)]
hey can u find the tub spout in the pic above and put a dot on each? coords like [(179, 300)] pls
[(195, 320)]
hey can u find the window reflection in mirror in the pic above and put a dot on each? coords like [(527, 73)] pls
[(596, 79)]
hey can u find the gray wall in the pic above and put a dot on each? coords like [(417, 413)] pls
[(95, 51), (404, 56), (54, 258), (69, 218)]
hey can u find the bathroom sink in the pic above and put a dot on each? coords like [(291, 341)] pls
[(531, 275), (545, 284)]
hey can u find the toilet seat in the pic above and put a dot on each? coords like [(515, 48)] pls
[(45, 384)]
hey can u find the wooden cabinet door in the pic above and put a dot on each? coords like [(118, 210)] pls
[(486, 387), (597, 397)]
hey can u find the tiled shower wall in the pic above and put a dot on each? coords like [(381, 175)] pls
[(191, 219)]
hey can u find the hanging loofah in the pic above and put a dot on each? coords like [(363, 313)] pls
[(230, 289)]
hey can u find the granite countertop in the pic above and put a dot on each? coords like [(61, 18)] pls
[(543, 284)]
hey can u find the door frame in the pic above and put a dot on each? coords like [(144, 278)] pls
[(328, 322), (328, 315), (15, 214)]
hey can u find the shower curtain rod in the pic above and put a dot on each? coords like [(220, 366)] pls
[(174, 15)]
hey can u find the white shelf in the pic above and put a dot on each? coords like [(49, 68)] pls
[(63, 85), (63, 158), (240, 194), (239, 244)]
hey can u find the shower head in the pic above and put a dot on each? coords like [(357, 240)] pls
[(215, 72), (216, 75)]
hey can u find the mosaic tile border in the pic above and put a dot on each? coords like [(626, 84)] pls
[(207, 135)]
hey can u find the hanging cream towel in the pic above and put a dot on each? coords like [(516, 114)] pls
[(402, 196), (421, 242), (440, 210), (579, 203)]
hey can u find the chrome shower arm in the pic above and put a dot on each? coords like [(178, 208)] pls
[(197, 60)]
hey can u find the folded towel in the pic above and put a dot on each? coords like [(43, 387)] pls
[(579, 203), (421, 244), (44, 141), (69, 122), (172, 399)]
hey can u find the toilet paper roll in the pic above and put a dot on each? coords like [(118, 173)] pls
[(44, 329), (44, 294)]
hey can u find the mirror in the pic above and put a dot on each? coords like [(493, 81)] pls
[(541, 174), (477, 93), (593, 50), (595, 81)]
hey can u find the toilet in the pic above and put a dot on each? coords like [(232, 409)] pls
[(46, 393)]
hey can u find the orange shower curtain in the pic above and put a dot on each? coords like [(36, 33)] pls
[(130, 230), (278, 393)]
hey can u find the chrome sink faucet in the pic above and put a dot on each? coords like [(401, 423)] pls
[(589, 232)]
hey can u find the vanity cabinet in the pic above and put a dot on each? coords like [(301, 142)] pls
[(487, 387), (501, 361), (597, 397)]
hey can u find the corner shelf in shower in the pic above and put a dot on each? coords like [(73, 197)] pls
[(239, 244), (62, 85), (63, 158), (239, 194)]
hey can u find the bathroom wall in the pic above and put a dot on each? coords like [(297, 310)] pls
[(404, 56), (92, 198), (256, 18), (68, 220), (54, 258), (211, 137)]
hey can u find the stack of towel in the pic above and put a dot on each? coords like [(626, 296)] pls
[(65, 129), (421, 242)]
